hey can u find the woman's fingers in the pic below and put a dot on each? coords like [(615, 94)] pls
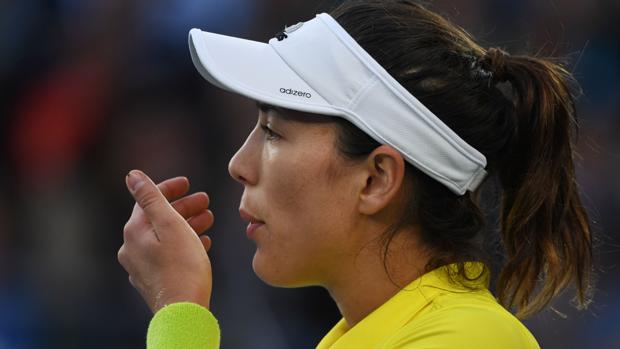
[(192, 208), (155, 206), (202, 221), (206, 242), (174, 188), (157, 233), (192, 205)]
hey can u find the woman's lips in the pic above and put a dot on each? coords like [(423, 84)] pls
[(252, 228), (255, 223)]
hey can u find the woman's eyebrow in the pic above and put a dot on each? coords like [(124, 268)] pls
[(264, 106), (282, 113)]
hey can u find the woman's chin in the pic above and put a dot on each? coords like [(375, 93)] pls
[(269, 274), (273, 275)]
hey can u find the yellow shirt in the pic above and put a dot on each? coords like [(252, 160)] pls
[(434, 312)]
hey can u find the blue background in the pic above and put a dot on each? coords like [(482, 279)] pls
[(91, 89)]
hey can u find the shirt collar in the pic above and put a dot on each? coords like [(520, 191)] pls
[(404, 306)]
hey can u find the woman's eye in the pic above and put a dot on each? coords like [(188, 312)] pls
[(270, 134), (265, 108)]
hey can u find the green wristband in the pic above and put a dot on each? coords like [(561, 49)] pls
[(183, 325)]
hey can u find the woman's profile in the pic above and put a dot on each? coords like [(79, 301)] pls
[(380, 125)]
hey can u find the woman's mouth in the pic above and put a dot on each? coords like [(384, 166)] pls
[(252, 228), (255, 223)]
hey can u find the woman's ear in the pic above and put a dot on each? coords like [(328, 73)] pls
[(385, 170)]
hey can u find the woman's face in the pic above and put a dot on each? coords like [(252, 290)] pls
[(296, 183)]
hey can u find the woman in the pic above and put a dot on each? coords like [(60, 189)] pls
[(377, 126)]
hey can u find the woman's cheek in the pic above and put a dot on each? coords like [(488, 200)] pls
[(287, 250), (289, 192)]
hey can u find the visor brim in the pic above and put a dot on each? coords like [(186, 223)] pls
[(253, 69)]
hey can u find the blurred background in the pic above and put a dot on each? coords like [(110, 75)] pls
[(91, 89)]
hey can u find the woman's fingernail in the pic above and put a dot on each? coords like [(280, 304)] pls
[(134, 180)]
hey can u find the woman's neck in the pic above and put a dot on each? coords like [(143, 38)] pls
[(363, 284)]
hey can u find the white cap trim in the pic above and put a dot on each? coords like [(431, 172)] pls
[(319, 68)]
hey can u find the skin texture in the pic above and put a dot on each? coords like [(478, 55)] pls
[(323, 219), (166, 260), (286, 186)]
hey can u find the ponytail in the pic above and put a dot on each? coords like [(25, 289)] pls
[(516, 110), (544, 226)]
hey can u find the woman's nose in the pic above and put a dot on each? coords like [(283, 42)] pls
[(242, 166)]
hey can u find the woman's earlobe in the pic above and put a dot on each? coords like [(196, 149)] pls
[(385, 171)]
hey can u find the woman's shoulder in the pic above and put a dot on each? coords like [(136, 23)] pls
[(464, 320)]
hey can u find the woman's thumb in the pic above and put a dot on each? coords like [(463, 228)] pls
[(148, 196)]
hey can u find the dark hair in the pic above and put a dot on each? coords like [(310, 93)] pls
[(519, 112)]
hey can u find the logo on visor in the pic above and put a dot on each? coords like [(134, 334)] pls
[(289, 91), (287, 30)]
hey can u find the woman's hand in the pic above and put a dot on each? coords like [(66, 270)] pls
[(166, 259)]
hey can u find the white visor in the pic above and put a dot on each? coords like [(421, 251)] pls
[(317, 67)]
